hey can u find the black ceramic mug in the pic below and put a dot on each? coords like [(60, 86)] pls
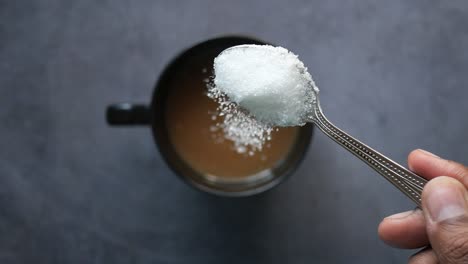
[(124, 114)]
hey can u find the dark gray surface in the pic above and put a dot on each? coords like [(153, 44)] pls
[(73, 190)]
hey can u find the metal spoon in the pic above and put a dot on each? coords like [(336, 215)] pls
[(406, 181)]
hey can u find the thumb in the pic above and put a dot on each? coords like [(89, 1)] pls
[(445, 206)]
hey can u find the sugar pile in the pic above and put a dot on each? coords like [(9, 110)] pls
[(270, 82), (271, 86)]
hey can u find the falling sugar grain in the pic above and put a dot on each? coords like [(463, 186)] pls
[(246, 132)]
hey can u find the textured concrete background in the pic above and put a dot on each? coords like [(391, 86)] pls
[(73, 190)]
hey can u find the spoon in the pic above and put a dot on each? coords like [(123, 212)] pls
[(406, 181)]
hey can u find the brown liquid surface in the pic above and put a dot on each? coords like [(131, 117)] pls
[(189, 122)]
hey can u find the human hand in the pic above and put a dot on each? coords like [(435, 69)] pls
[(442, 224)]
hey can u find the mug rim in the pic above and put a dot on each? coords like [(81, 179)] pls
[(169, 154)]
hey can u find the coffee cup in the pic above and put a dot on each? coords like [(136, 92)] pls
[(184, 126)]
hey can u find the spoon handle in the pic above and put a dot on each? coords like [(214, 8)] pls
[(406, 181)]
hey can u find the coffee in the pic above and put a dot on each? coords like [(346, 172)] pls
[(180, 116), (192, 130)]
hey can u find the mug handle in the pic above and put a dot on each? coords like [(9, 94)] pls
[(128, 114)]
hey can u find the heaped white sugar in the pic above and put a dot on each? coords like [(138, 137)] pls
[(271, 83)]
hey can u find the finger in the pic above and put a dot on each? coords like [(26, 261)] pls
[(404, 230), (425, 256), (430, 166), (445, 207)]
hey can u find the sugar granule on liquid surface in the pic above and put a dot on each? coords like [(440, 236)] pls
[(258, 87)]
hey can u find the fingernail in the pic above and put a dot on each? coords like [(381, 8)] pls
[(428, 153), (400, 215), (446, 201)]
